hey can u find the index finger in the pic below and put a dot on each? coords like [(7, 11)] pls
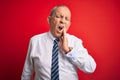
[(64, 33)]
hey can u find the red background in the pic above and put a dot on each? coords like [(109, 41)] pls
[(97, 23)]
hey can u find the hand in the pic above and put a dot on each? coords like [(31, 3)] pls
[(64, 43)]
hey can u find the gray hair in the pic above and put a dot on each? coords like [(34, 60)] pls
[(55, 8)]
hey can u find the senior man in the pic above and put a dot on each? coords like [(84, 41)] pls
[(56, 55)]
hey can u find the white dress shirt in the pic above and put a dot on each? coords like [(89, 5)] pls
[(39, 57)]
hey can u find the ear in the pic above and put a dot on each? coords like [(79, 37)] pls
[(49, 19)]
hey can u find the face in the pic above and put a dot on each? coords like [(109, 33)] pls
[(59, 21)]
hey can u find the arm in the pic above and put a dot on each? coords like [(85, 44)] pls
[(80, 57), (78, 54), (28, 66)]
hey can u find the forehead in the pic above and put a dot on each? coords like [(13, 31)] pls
[(63, 11)]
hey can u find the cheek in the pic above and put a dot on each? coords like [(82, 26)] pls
[(67, 29), (67, 26), (53, 25), (54, 20)]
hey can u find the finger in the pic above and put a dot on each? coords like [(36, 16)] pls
[(64, 35)]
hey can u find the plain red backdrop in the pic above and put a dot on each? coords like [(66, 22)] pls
[(97, 23)]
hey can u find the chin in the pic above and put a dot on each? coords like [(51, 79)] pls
[(58, 35)]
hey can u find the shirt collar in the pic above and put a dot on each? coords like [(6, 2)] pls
[(51, 36)]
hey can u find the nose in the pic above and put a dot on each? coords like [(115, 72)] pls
[(62, 20)]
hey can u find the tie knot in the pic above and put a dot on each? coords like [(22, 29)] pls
[(56, 40)]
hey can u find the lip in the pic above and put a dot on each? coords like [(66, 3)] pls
[(59, 29)]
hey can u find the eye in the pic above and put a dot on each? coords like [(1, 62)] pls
[(57, 16), (68, 19)]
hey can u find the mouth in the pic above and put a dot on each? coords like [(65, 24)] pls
[(60, 27), (60, 30)]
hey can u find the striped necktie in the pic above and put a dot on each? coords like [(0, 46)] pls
[(55, 65)]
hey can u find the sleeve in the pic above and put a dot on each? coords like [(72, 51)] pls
[(80, 58), (28, 66)]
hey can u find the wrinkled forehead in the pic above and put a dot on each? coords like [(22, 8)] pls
[(63, 11)]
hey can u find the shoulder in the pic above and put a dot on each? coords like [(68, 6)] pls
[(74, 38), (38, 36)]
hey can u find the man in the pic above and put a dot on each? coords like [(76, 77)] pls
[(67, 50)]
